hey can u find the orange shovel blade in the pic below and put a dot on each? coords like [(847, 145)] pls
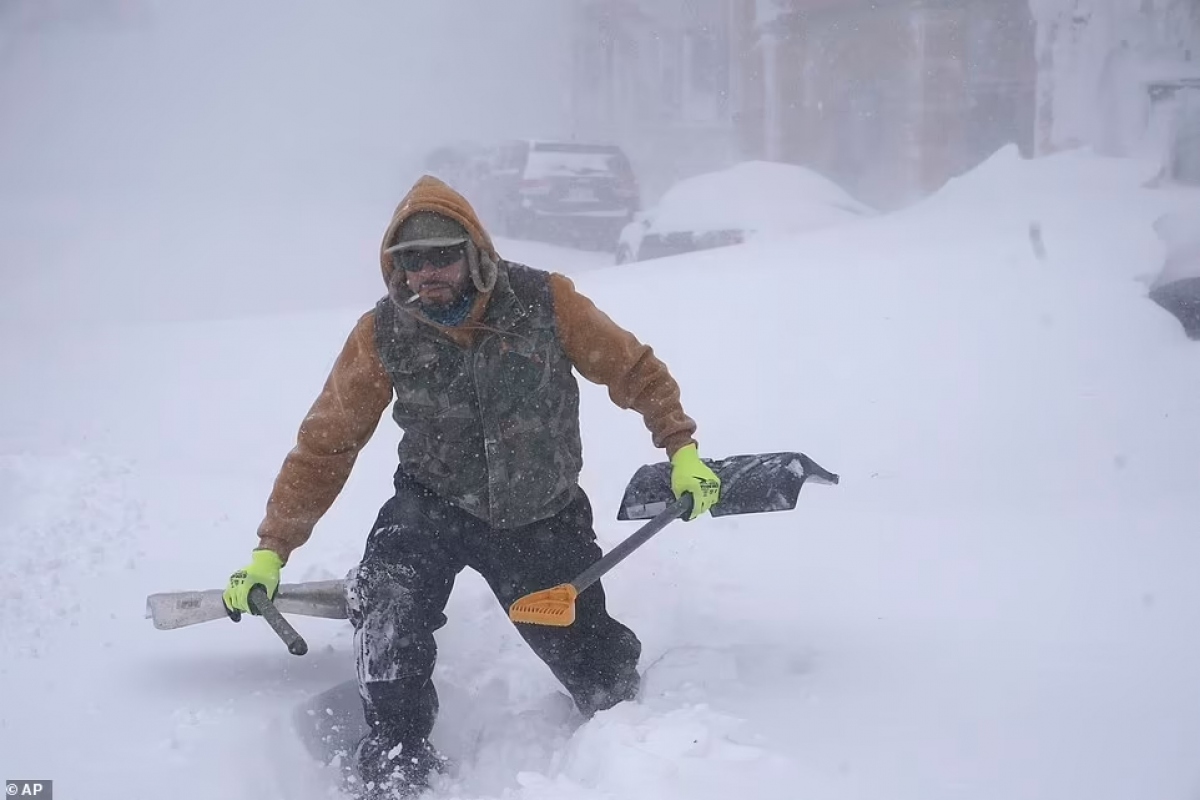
[(547, 607)]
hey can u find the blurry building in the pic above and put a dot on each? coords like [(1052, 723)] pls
[(891, 98), (657, 77), (1123, 77), (888, 97)]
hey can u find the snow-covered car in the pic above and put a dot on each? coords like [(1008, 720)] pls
[(1177, 287), (750, 200)]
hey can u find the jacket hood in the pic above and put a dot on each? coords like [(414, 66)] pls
[(431, 194)]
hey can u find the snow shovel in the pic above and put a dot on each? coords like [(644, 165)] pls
[(750, 484), (170, 610)]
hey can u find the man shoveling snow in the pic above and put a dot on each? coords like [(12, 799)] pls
[(475, 355)]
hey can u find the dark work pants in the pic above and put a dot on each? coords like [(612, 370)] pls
[(399, 591)]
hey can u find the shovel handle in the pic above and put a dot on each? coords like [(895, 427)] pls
[(677, 510), (261, 604)]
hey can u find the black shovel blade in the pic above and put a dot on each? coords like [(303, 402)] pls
[(750, 484)]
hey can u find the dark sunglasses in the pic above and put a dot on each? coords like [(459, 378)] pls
[(436, 257)]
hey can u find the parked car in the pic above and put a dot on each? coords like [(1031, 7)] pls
[(580, 193), (736, 205)]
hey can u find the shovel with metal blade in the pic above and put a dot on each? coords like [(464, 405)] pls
[(750, 484), (170, 610)]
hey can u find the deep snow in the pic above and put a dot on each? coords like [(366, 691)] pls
[(997, 602)]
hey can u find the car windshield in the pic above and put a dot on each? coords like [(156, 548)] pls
[(571, 161)]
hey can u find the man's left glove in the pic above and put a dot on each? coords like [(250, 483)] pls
[(263, 570), (690, 475)]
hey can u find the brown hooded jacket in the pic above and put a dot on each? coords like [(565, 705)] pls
[(358, 389)]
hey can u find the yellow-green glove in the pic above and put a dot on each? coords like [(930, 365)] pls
[(690, 475), (263, 570)]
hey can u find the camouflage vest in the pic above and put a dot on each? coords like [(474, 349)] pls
[(493, 428)]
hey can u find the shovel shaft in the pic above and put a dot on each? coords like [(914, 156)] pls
[(261, 604), (680, 508), (750, 484)]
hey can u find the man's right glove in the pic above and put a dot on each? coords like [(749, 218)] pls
[(691, 475), (263, 570)]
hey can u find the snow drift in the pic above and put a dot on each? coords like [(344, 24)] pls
[(995, 602)]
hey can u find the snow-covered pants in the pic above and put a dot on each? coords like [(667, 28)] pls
[(398, 593)]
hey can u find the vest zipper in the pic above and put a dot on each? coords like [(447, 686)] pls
[(476, 353)]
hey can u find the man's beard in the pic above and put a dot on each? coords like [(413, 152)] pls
[(455, 296), (452, 312)]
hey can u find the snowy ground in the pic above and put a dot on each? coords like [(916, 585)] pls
[(998, 602)]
